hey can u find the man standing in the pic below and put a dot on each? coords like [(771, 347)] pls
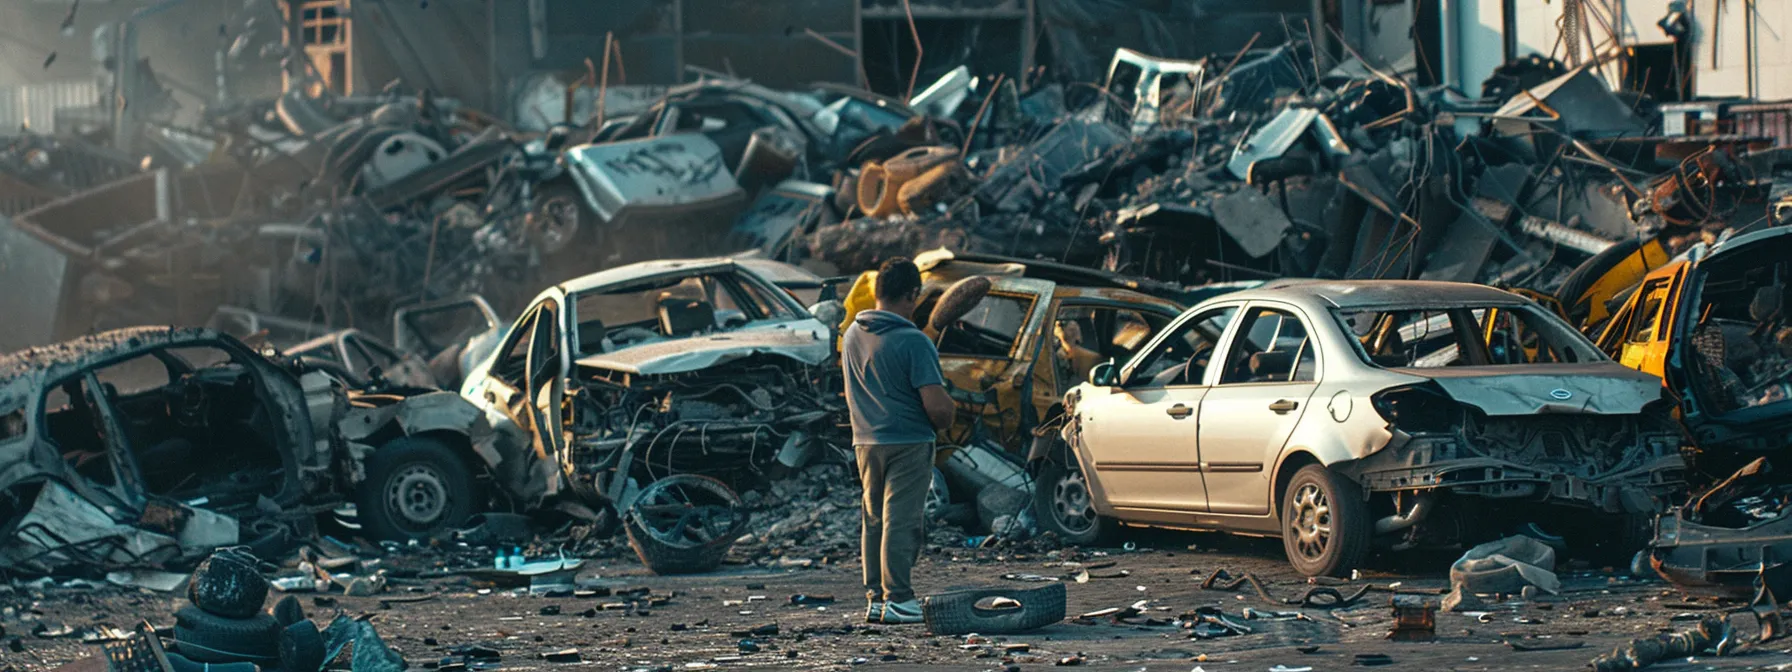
[(897, 397)]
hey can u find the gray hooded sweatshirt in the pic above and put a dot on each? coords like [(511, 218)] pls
[(888, 360)]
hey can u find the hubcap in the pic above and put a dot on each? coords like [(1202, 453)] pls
[(1310, 521), (418, 495), (557, 222), (1070, 504)]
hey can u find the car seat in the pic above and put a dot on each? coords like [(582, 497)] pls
[(686, 316), (591, 336), (1272, 366)]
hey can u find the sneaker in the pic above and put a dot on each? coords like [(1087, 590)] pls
[(898, 613), (874, 613)]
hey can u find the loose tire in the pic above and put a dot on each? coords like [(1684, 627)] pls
[(1064, 505), (957, 613), (208, 638), (876, 197), (228, 584), (416, 488), (685, 524), (558, 217), (1325, 523)]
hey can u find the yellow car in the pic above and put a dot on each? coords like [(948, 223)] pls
[(1037, 334)]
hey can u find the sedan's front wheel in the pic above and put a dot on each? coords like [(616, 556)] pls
[(1325, 523), (1063, 505)]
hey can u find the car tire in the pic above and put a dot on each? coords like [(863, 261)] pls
[(558, 217), (1324, 522), (685, 524), (416, 488), (204, 637), (957, 613), (1064, 505), (302, 648), (228, 584)]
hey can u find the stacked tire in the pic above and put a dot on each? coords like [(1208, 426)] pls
[(225, 622)]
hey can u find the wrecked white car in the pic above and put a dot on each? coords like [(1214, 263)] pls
[(1340, 414), (152, 446), (636, 373)]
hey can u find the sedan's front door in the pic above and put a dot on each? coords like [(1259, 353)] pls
[(1141, 439), (1270, 370)]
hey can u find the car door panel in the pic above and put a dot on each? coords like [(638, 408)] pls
[(1142, 445), (1002, 379), (1141, 440), (1245, 423)]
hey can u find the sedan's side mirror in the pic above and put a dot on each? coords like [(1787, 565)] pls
[(1105, 374)]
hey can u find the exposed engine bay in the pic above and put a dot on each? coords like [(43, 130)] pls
[(734, 422)]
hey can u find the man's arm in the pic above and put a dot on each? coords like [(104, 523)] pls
[(940, 408)]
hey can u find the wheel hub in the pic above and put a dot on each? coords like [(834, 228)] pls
[(1310, 521), (557, 222), (418, 495), (1070, 503)]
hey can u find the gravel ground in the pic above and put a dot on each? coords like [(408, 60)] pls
[(703, 622)]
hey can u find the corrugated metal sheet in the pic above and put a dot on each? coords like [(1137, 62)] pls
[(35, 105)]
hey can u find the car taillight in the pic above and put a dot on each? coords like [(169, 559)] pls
[(1417, 409)]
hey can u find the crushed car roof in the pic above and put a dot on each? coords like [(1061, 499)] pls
[(60, 359), (1377, 293)]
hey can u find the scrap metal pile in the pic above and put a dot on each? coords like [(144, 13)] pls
[(623, 384)]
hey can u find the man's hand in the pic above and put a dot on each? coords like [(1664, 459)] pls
[(940, 408)]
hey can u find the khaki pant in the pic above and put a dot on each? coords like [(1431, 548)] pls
[(893, 518)]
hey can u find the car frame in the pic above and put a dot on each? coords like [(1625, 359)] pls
[(562, 405), (1324, 460)]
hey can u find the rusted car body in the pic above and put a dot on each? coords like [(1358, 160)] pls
[(155, 445), (1012, 358), (1334, 414)]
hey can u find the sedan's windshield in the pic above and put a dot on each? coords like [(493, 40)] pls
[(1489, 335), (676, 307)]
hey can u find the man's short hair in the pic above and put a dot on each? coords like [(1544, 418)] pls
[(898, 280)]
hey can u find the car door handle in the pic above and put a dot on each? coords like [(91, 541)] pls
[(1284, 405), (1179, 411)]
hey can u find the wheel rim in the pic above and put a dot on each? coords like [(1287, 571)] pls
[(1310, 521), (557, 223), (419, 495), (1071, 507)]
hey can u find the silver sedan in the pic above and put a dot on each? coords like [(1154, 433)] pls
[(1342, 415)]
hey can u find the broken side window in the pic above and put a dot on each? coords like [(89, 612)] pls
[(1272, 347), (511, 366), (990, 329), (1182, 357)]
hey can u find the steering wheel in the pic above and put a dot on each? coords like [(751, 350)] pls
[(1193, 369)]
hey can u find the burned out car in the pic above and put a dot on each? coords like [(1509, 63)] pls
[(156, 445), (1037, 333), (681, 367), (1340, 414)]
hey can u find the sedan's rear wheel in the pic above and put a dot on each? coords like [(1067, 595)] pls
[(1325, 523)]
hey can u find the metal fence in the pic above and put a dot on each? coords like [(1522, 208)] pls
[(35, 105)]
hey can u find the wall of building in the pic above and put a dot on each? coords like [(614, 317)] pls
[(1739, 28)]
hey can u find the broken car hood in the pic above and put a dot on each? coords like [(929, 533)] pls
[(1603, 388), (806, 341)]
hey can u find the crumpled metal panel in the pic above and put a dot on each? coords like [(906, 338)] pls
[(803, 340), (669, 171), (1279, 135), (62, 528), (1604, 388)]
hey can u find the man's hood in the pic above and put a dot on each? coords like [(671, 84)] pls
[(881, 322)]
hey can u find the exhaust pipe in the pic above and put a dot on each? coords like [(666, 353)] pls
[(1399, 521)]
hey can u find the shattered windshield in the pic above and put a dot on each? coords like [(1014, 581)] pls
[(1424, 338), (677, 307)]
